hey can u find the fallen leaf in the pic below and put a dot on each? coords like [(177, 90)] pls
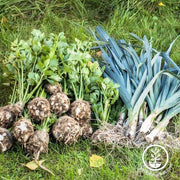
[(161, 4), (32, 165), (96, 161)]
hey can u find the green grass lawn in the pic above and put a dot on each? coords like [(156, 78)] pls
[(161, 24), (72, 162)]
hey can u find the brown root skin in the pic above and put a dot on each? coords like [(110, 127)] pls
[(39, 109), (5, 140), (38, 142), (9, 113), (17, 109), (80, 110), (59, 103), (6, 117), (53, 89), (66, 129), (23, 130), (86, 130)]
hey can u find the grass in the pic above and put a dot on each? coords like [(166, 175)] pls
[(161, 24), (67, 161)]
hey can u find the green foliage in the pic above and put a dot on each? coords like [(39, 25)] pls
[(119, 17), (141, 78), (103, 97), (50, 58), (83, 78), (32, 62)]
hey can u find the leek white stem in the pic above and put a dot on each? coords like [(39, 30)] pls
[(148, 122), (159, 128), (132, 127)]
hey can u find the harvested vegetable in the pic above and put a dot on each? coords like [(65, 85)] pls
[(39, 141), (105, 94), (53, 88), (59, 103), (8, 114), (66, 129), (75, 60), (39, 109), (81, 111), (23, 130), (86, 130), (5, 140), (141, 79), (84, 82), (29, 64)]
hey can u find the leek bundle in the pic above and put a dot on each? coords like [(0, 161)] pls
[(150, 78)]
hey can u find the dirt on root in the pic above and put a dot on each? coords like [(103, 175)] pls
[(115, 135), (80, 110)]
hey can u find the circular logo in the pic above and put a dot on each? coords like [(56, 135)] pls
[(155, 157)]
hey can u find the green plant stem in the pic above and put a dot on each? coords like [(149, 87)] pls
[(65, 86), (45, 123), (22, 82), (81, 87), (27, 89), (74, 89), (13, 98), (32, 92), (95, 113), (105, 113)]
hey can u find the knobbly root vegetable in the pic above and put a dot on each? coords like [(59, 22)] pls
[(17, 109), (9, 113), (59, 103), (86, 130), (39, 109), (23, 130), (5, 140), (66, 129), (80, 110), (38, 143), (6, 116), (52, 89)]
